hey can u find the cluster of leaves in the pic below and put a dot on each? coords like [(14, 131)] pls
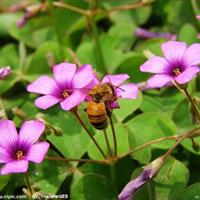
[(60, 34)]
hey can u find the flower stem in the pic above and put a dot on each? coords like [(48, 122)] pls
[(178, 142), (114, 136), (192, 134), (28, 184), (107, 142), (76, 160), (90, 135), (70, 7), (192, 103), (113, 173), (149, 191), (128, 7), (173, 137)]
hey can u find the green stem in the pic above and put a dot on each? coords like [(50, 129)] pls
[(69, 7), (193, 104), (90, 135), (28, 184), (107, 142), (173, 137), (149, 191), (76, 160), (113, 173), (114, 137), (178, 142), (191, 134)]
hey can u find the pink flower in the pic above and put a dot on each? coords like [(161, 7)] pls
[(126, 91), (4, 72), (179, 64), (16, 150), (198, 17), (69, 86)]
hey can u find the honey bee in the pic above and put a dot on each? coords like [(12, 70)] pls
[(98, 108)]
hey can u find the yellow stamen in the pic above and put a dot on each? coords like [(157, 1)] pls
[(177, 71), (19, 155), (65, 94)]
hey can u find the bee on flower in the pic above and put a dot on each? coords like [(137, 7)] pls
[(103, 96)]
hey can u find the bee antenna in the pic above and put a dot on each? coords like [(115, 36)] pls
[(114, 85)]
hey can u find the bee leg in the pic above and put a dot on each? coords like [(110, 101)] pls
[(109, 112)]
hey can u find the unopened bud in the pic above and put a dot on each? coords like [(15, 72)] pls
[(2, 114), (50, 59), (146, 34), (19, 113), (30, 12), (148, 173), (148, 54), (4, 72), (49, 128), (198, 17)]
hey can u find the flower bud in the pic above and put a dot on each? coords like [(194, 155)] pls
[(30, 12), (4, 72), (149, 172), (2, 114), (148, 54), (198, 17), (146, 34)]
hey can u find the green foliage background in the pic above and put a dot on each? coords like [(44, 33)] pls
[(63, 35)]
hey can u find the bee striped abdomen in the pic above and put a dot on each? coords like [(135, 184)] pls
[(97, 115)]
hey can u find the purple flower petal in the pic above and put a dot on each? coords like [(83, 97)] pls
[(115, 80), (159, 80), (43, 85), (18, 166), (198, 17), (114, 105), (83, 76), (155, 64), (37, 152), (31, 131), (4, 156), (95, 81), (73, 100), (173, 50), (128, 91), (4, 72), (8, 133), (192, 55), (46, 101), (130, 189), (187, 75), (63, 74)]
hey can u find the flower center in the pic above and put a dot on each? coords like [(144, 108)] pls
[(19, 155), (65, 94), (177, 71)]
